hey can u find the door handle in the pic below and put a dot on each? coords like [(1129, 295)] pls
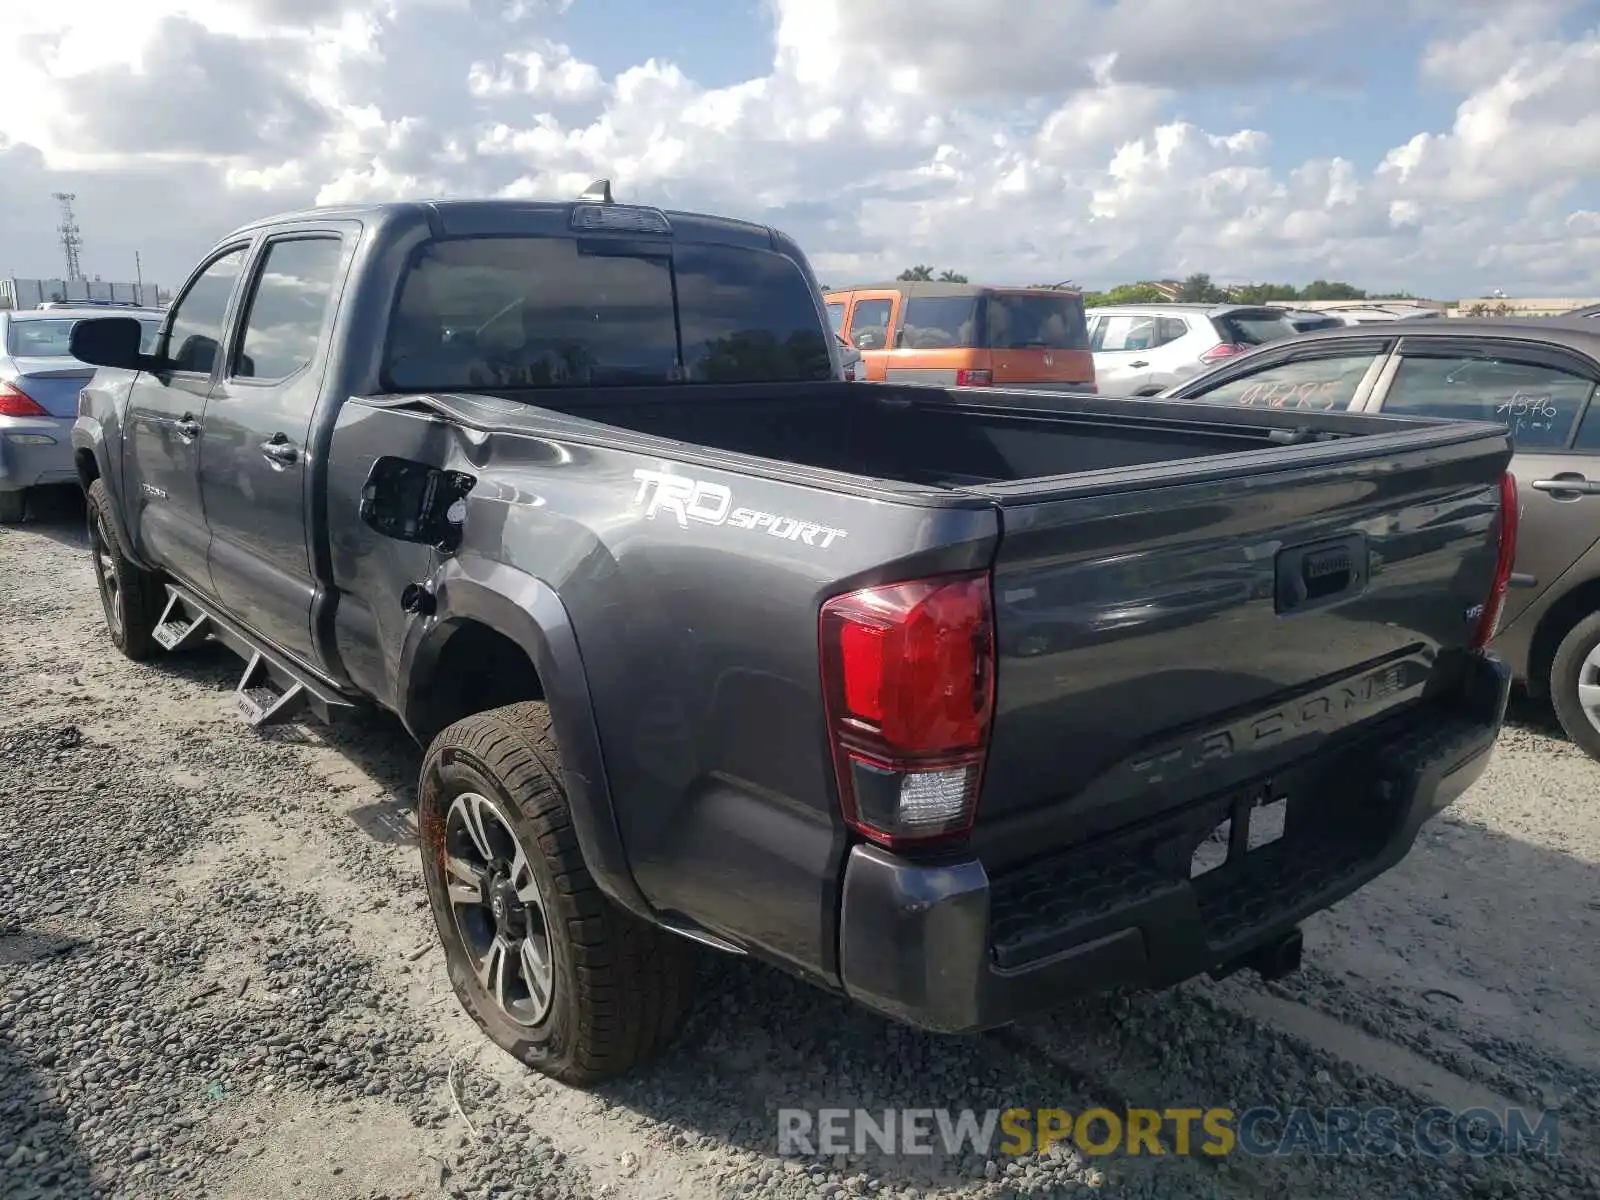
[(279, 451), (188, 428), (1567, 484), (1140, 363)]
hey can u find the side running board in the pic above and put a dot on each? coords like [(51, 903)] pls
[(271, 691)]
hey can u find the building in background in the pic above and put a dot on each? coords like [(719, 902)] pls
[(1519, 306), (30, 293)]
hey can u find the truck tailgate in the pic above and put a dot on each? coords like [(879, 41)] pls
[(1162, 641)]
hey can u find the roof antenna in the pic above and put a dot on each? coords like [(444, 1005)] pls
[(598, 192)]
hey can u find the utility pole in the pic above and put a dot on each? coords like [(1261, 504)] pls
[(138, 277), (71, 237)]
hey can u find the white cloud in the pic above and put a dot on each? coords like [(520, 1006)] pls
[(925, 131)]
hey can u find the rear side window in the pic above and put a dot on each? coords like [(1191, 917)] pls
[(1252, 328), (1316, 383), (1170, 329), (1538, 403), (836, 315), (940, 323), (527, 312), (1020, 321)]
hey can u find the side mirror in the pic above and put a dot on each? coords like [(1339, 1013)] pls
[(109, 342), (899, 339)]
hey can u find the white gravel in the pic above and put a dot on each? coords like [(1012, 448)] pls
[(218, 978)]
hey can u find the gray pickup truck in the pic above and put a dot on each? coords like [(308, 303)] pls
[(956, 702)]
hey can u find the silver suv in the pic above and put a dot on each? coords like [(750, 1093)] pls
[(1140, 349)]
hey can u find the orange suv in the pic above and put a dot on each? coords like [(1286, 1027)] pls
[(966, 335)]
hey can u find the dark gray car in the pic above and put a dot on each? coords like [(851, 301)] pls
[(1537, 376), (938, 698)]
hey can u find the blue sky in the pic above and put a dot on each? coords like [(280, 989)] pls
[(1098, 140)]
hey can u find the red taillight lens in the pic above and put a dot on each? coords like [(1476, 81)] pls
[(1223, 350), (966, 378), (1489, 620), (16, 403), (908, 677)]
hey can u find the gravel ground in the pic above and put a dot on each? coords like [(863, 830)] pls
[(218, 978)]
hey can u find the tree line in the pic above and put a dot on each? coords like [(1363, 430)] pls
[(1197, 288)]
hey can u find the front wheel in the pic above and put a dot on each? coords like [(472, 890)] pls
[(1575, 684), (130, 596), (554, 972)]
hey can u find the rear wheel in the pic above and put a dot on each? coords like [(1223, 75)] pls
[(13, 506), (130, 596), (554, 972), (1575, 684)]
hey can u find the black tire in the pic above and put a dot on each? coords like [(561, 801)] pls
[(1568, 670), (130, 597), (621, 986), (13, 506)]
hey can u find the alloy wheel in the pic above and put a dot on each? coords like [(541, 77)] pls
[(498, 911), (105, 570), (1589, 686)]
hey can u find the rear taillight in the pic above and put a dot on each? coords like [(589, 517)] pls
[(966, 378), (908, 677), (16, 403), (1489, 619), (1221, 351)]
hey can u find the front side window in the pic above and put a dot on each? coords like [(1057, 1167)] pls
[(1538, 403), (526, 312), (1121, 332), (1316, 383), (196, 330), (940, 323), (836, 316), (869, 324), (289, 307)]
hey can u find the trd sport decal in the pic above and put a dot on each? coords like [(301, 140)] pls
[(712, 504)]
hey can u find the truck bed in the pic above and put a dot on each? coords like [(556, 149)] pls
[(932, 436)]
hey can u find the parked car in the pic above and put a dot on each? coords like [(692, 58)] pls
[(1538, 377), (1139, 349), (1377, 313), (937, 698), (966, 335), (1587, 311), (39, 383)]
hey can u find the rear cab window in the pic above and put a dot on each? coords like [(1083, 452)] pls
[(530, 312)]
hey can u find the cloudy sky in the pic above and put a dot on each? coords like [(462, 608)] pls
[(1446, 147)]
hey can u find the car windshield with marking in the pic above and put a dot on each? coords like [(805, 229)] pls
[(480, 313)]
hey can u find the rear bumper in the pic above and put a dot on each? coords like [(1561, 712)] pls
[(945, 947), (27, 459)]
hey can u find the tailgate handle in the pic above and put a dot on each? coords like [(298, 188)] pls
[(1311, 576)]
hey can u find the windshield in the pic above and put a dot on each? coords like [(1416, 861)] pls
[(35, 338), (1019, 321), (527, 312)]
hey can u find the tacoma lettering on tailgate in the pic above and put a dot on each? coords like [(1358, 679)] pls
[(712, 504), (1327, 709)]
